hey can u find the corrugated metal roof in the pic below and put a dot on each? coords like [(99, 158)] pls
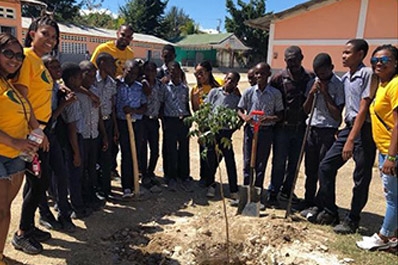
[(98, 32), (203, 39)]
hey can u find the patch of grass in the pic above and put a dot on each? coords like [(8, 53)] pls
[(346, 247)]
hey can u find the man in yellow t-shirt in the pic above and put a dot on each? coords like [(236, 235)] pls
[(119, 48)]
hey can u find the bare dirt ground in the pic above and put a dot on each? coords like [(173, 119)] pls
[(187, 228)]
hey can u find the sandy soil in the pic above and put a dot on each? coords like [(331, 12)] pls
[(187, 228)]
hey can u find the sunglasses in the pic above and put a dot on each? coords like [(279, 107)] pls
[(383, 60), (19, 56)]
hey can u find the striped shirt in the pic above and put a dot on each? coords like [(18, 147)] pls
[(218, 97), (105, 89), (153, 99), (131, 96), (176, 98)]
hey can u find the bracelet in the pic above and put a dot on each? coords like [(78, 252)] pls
[(391, 158)]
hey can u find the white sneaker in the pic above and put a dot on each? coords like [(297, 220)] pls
[(211, 192), (127, 193), (373, 243)]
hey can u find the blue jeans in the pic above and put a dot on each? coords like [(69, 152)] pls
[(10, 166), (390, 185), (286, 150)]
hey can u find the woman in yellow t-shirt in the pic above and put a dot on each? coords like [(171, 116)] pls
[(14, 127), (35, 82), (384, 115)]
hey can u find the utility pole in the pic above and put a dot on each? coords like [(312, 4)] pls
[(219, 25)]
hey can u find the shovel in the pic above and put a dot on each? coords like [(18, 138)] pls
[(307, 131), (249, 201), (129, 121)]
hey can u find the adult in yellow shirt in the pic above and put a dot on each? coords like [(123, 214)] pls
[(15, 118), (34, 82), (119, 49), (384, 115)]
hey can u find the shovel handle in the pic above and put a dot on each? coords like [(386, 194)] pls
[(258, 123)]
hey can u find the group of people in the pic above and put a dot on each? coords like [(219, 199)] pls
[(72, 119)]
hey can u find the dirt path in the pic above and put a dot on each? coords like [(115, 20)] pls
[(186, 228)]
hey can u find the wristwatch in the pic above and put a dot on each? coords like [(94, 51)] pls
[(391, 158)]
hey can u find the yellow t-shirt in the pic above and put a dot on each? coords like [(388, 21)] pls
[(12, 116), (120, 56), (385, 102), (206, 89), (35, 76)]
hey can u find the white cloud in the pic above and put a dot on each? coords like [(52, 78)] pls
[(100, 10)]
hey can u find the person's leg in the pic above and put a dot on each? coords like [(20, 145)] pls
[(280, 152), (164, 151), (327, 174), (230, 163), (153, 141), (5, 214), (183, 151), (105, 160), (247, 150), (364, 156), (263, 150), (295, 138), (75, 177), (144, 148), (139, 142), (390, 185), (312, 160), (127, 167), (171, 148), (212, 164)]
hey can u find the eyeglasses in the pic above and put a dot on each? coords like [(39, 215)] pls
[(383, 60), (19, 56)]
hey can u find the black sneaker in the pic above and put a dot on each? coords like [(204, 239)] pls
[(285, 197), (325, 218), (49, 222), (40, 235), (272, 201), (67, 224), (310, 214), (346, 227), (80, 214), (26, 244)]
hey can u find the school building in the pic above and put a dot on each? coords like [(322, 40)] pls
[(76, 40), (326, 25), (222, 50)]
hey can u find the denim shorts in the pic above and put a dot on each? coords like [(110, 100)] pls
[(10, 166)]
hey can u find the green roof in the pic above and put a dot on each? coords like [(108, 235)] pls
[(203, 39)]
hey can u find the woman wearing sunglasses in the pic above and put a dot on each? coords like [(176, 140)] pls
[(384, 115), (15, 120)]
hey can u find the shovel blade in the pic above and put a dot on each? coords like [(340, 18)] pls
[(249, 207)]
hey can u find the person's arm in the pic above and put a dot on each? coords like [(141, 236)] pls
[(389, 167), (102, 130), (272, 118), (115, 126), (70, 98), (23, 145), (310, 98), (334, 110), (195, 98), (356, 128), (141, 110), (72, 135), (146, 87)]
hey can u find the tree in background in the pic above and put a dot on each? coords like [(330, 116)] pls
[(64, 10), (176, 23), (256, 39), (145, 15)]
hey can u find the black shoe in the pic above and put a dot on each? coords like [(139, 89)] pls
[(49, 222), (272, 201), (67, 224), (40, 235), (27, 244), (285, 197), (80, 214), (310, 214), (346, 227), (96, 204), (325, 218)]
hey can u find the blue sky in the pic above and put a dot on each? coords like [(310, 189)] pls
[(207, 12)]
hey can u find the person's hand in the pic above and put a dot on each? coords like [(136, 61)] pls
[(95, 99), (165, 79), (323, 87), (76, 160), (348, 150), (248, 118), (45, 145), (197, 93), (68, 99), (315, 87), (389, 168), (105, 144), (146, 87), (128, 110), (25, 145)]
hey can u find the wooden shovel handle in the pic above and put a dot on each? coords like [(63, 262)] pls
[(133, 154)]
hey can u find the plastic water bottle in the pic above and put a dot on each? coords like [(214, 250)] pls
[(37, 136)]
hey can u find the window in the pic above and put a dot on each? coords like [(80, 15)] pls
[(6, 29), (7, 12)]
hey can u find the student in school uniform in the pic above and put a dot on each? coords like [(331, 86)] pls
[(251, 77), (225, 97), (151, 125), (35, 82), (176, 108), (61, 98), (105, 87), (74, 151), (262, 97), (130, 99), (326, 120), (93, 132), (355, 140)]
